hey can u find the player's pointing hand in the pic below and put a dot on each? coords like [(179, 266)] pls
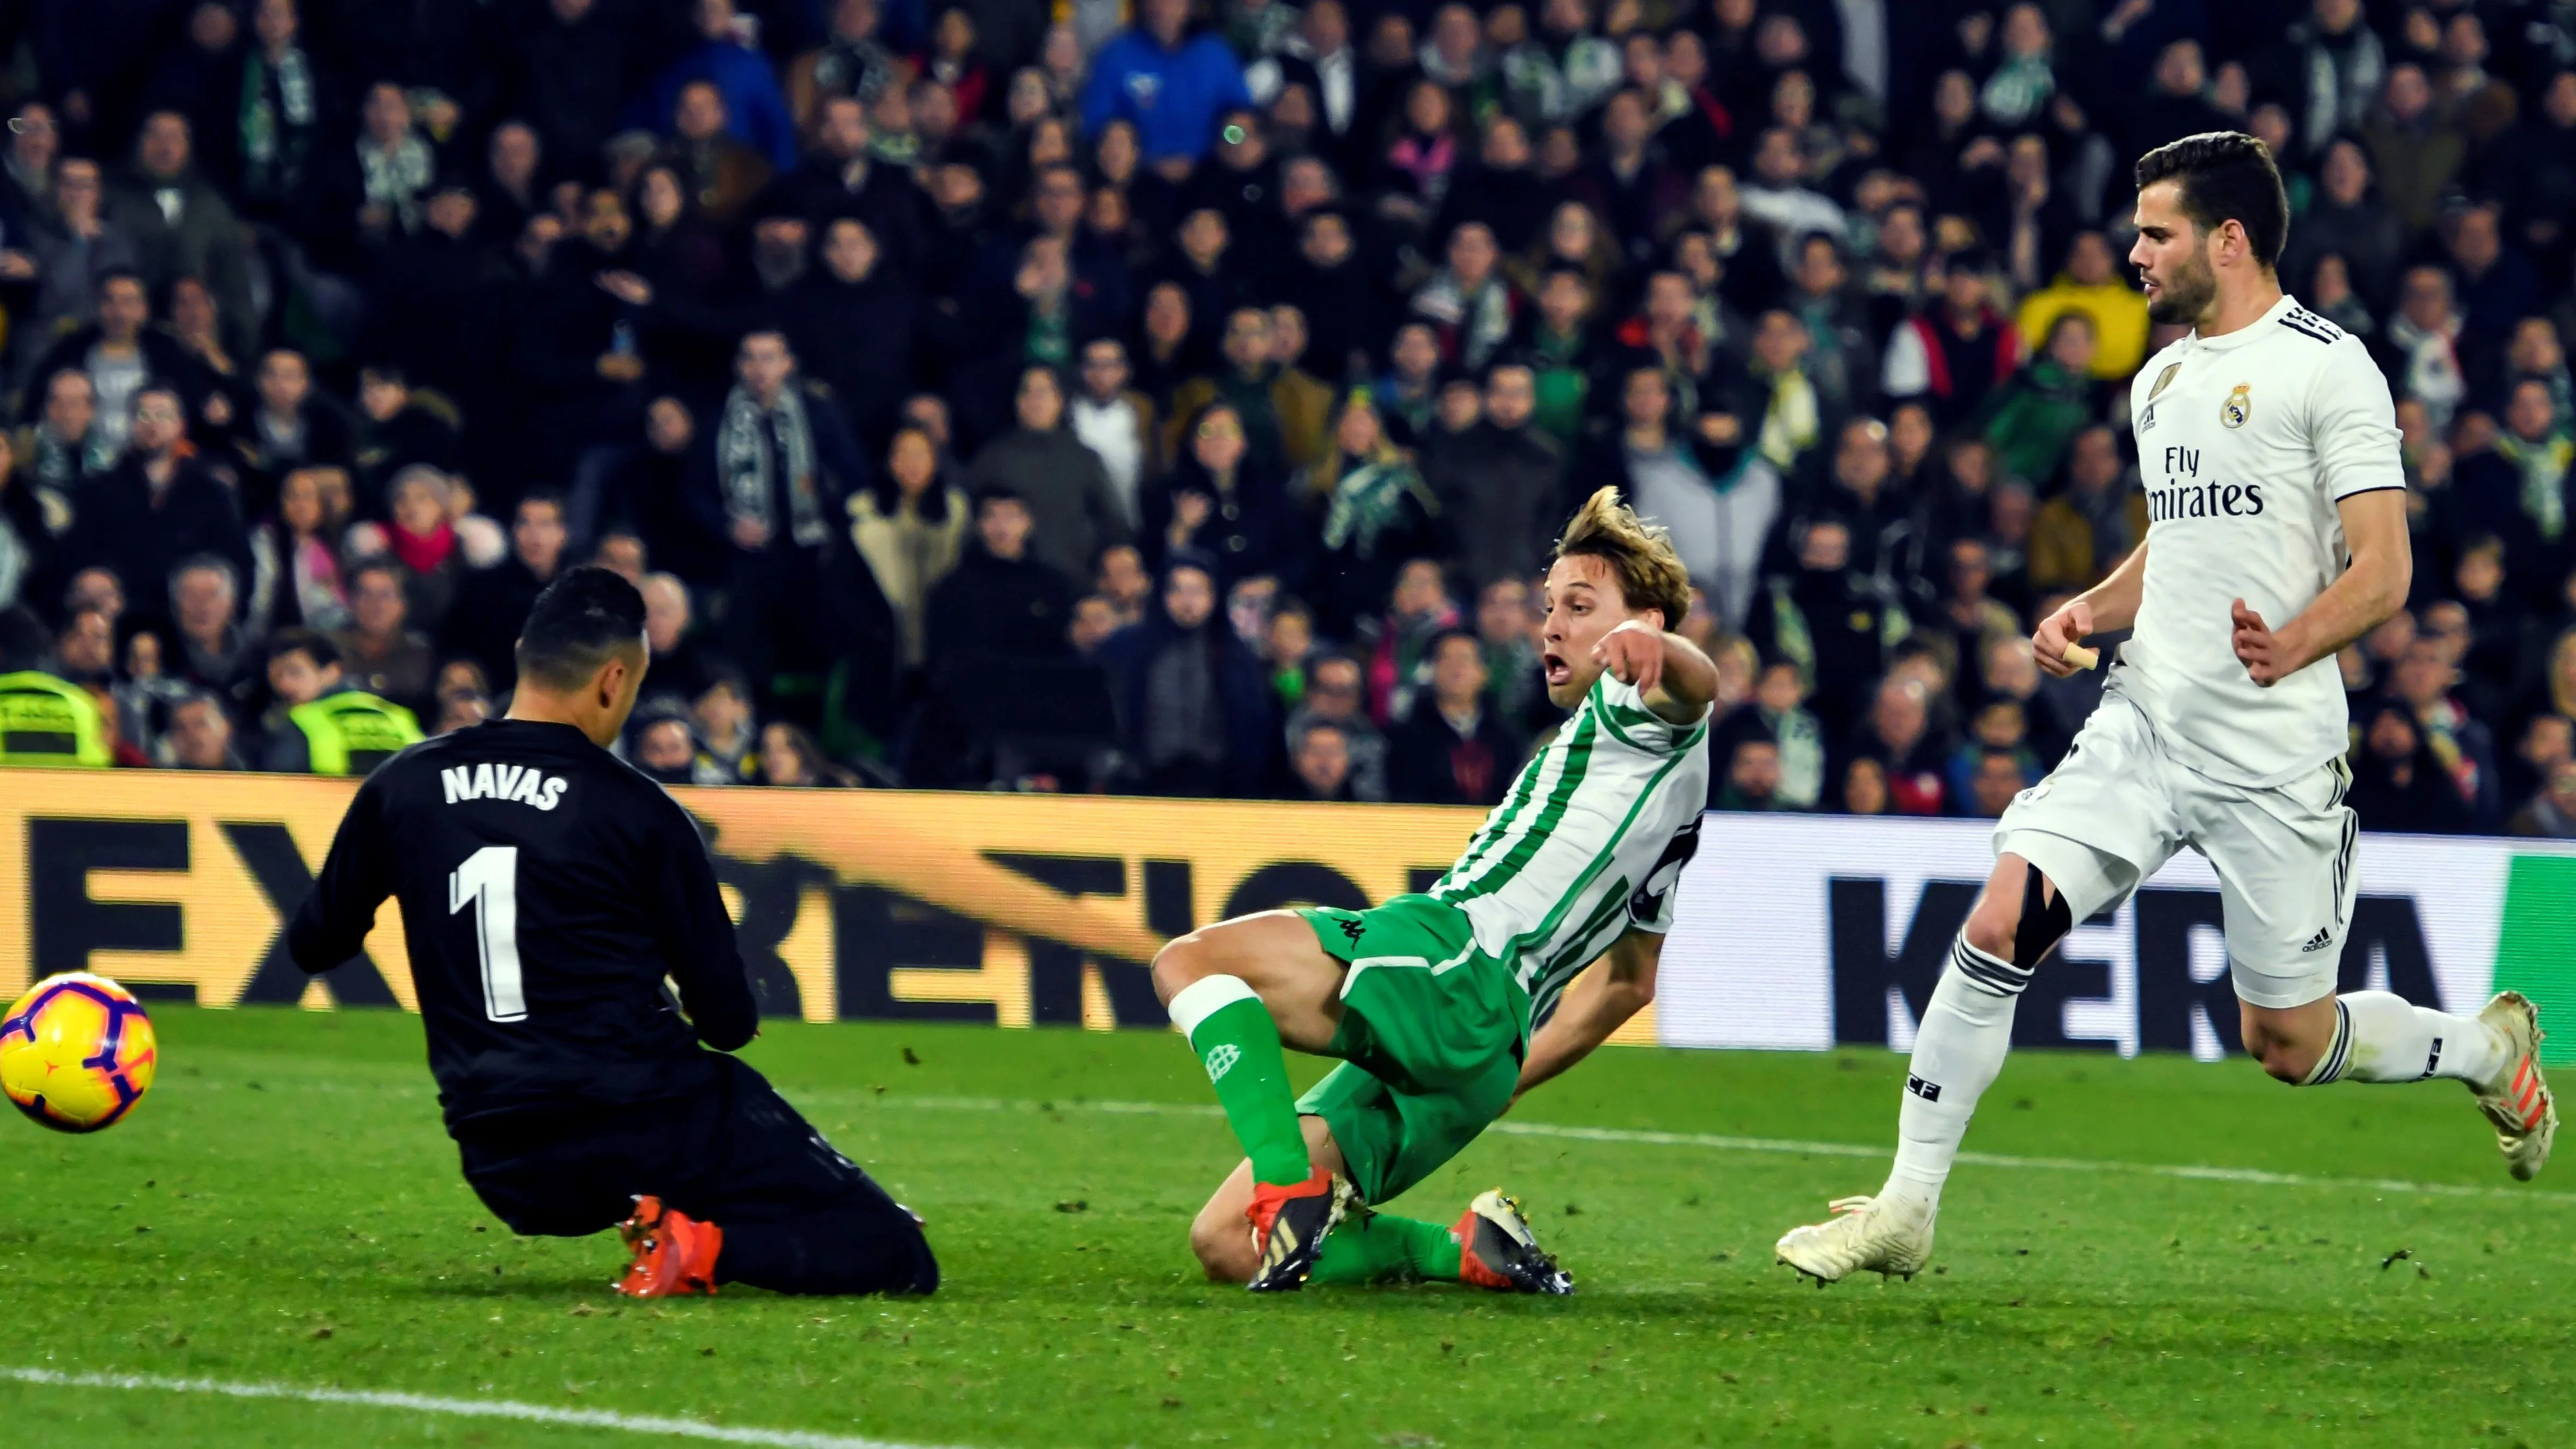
[(2258, 647), (2067, 626), (1633, 653)]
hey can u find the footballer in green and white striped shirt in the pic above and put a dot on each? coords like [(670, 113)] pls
[(1444, 1007)]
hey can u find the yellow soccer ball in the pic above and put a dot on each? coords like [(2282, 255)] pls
[(77, 1052)]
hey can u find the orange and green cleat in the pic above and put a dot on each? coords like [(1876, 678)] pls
[(1497, 1250), (675, 1254), (1288, 1227)]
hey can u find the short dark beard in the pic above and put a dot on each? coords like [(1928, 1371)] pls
[(2186, 295)]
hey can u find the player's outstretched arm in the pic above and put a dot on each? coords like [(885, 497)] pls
[(2374, 587), (1676, 679), (332, 924), (1600, 1001)]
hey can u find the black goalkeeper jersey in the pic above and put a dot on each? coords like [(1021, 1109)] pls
[(546, 890)]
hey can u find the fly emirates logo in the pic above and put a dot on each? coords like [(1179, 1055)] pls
[(2197, 499), (522, 784)]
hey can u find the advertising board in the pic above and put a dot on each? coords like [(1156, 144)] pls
[(1794, 932)]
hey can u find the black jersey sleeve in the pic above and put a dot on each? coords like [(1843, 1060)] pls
[(332, 924), (697, 935)]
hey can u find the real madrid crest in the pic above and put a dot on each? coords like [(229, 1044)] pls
[(2238, 407)]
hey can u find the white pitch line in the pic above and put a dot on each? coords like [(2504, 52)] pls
[(461, 1408), (2189, 1172)]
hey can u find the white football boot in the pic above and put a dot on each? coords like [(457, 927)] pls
[(1885, 1234), (2525, 1118)]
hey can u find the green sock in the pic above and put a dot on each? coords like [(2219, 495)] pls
[(1238, 1043), (1380, 1247)]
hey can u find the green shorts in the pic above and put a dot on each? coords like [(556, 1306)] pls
[(1432, 1036)]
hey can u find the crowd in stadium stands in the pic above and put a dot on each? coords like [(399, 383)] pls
[(1181, 398)]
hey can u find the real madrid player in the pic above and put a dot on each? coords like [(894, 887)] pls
[(1445, 1006), (2278, 536)]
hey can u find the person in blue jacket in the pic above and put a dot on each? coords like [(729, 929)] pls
[(1171, 84), (755, 108)]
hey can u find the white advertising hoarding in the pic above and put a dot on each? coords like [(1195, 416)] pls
[(1802, 932)]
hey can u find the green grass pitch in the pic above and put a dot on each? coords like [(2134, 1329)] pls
[(285, 1210)]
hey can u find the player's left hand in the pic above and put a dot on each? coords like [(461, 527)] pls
[(2263, 653), (1633, 653)]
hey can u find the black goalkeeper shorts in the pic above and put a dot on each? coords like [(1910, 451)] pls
[(737, 1156)]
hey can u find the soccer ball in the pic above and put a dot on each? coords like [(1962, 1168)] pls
[(77, 1052)]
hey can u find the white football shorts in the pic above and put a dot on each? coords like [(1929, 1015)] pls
[(2118, 807)]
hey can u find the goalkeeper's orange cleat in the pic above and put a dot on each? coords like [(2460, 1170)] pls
[(675, 1254)]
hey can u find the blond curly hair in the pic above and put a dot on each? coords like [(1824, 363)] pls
[(1639, 555)]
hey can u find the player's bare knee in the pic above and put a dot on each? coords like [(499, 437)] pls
[(2289, 1062), (1990, 926), (1182, 961), (1223, 1246)]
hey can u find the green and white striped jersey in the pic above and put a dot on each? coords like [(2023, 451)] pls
[(1588, 843)]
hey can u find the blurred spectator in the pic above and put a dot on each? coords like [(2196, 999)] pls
[(2551, 813), (2396, 782), (2414, 149), (1194, 715), (1117, 423), (118, 353), (1828, 620), (182, 226), (68, 444), (1899, 735), (728, 61), (2084, 532), (662, 748), (379, 650), (2091, 286), (2030, 419), (780, 471), (789, 758), (322, 724), (1319, 762), (200, 736), (1958, 349), (156, 507), (726, 729), (1064, 485), (483, 623), (295, 563), (1450, 749), (1501, 485), (1775, 716), (1378, 515), (1169, 83), (1336, 694), (908, 525), (1000, 599)]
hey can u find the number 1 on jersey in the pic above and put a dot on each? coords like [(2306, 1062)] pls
[(490, 879)]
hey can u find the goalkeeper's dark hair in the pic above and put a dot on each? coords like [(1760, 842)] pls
[(579, 623), (2225, 176)]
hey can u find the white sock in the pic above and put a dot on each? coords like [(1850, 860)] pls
[(2382, 1037), (1958, 1050)]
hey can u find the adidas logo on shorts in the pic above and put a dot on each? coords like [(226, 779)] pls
[(2318, 942)]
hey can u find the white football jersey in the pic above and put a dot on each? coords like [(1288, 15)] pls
[(1588, 844), (2245, 442)]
